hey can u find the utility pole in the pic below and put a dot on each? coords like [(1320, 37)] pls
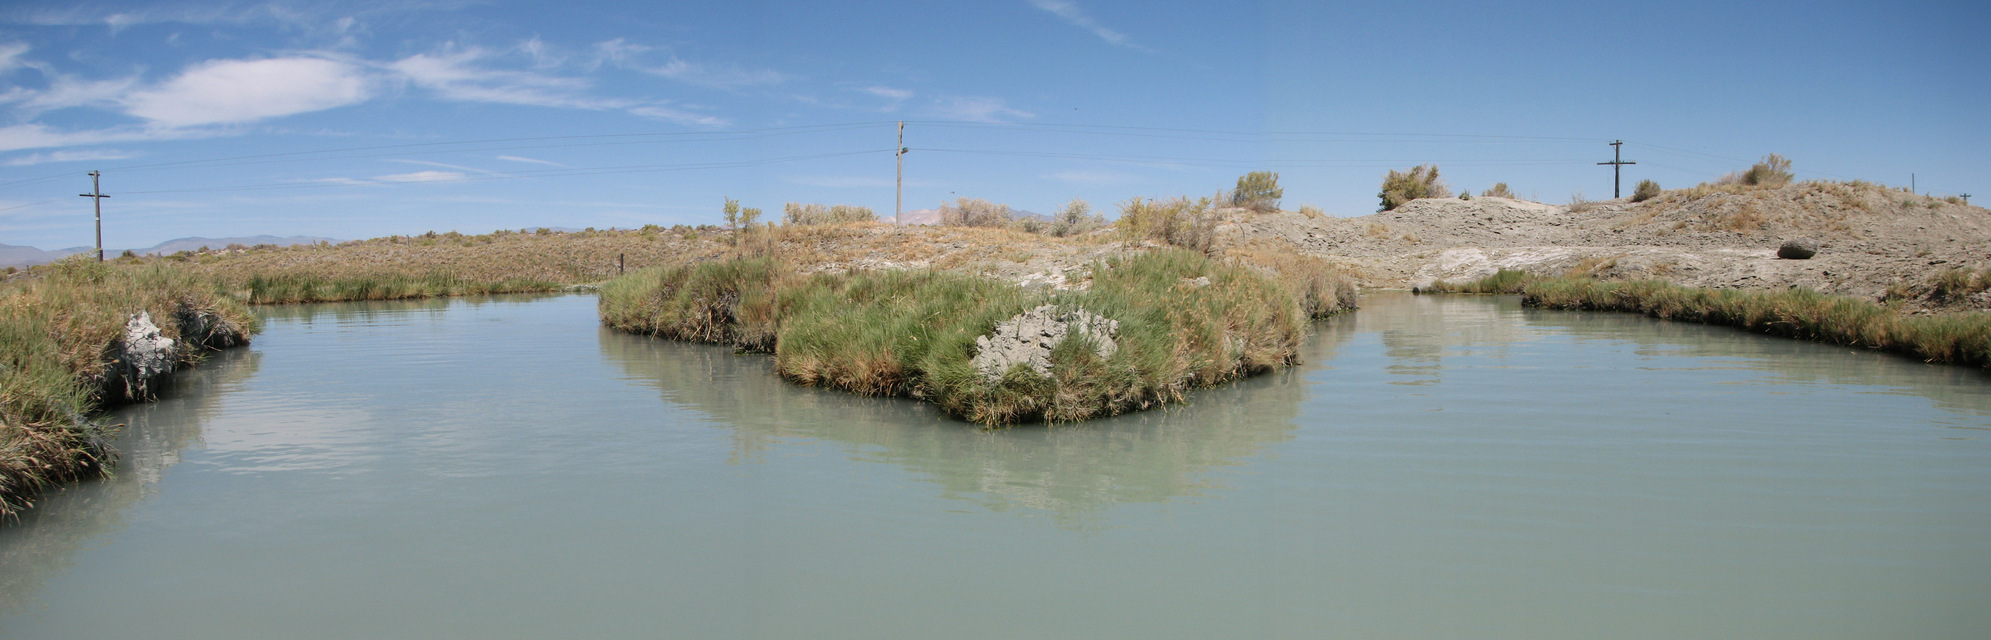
[(97, 196), (899, 201), (1966, 198), (1617, 163)]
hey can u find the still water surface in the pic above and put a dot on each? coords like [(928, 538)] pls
[(1440, 468)]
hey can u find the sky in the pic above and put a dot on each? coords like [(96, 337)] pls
[(363, 119)]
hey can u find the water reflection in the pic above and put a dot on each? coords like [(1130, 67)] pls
[(154, 435), (1068, 471)]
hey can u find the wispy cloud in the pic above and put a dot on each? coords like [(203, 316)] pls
[(230, 91), (681, 117), (978, 109), (38, 136), (530, 160), (460, 75), (11, 54), (888, 92), (444, 165), (423, 176), (69, 156), (628, 55), (1078, 18), (1091, 177)]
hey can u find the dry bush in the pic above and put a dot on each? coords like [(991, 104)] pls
[(806, 214), (1580, 204), (1499, 190), (1178, 221), (1646, 190), (975, 212), (1311, 211), (1420, 181), (1075, 218)]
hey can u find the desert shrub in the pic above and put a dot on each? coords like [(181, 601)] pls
[(1466, 195), (1646, 190), (1257, 191), (1075, 218), (975, 212), (1311, 211), (1580, 204), (1179, 221), (1420, 181), (1773, 171), (806, 214), (1498, 190)]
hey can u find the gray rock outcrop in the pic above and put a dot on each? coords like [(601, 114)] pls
[(1799, 249), (141, 354), (1029, 338)]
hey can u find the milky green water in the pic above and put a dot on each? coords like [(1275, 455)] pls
[(1452, 467)]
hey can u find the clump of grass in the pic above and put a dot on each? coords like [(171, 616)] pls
[(1258, 191), (975, 212), (58, 338), (798, 213), (1580, 204), (292, 288), (1420, 181), (1646, 190), (1504, 281), (1499, 190), (1185, 321), (1179, 221), (1958, 338)]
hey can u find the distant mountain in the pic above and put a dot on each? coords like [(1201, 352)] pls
[(15, 256), (195, 243)]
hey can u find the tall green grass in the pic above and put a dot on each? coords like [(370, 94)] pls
[(1957, 338), (57, 337), (291, 288), (1185, 321)]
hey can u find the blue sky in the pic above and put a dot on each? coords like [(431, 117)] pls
[(361, 119)]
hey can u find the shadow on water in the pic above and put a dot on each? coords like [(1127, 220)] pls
[(154, 435), (1071, 472)]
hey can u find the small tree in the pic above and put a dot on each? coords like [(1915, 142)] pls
[(1646, 190), (1499, 190), (732, 216), (1258, 191), (1420, 181)]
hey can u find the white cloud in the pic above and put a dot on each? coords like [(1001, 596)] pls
[(67, 91), (36, 136), (723, 76), (888, 92), (680, 117), (423, 176), (10, 55), (458, 76), (225, 91), (1078, 18), (69, 156), (531, 160), (978, 109), (445, 165)]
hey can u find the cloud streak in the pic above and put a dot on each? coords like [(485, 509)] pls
[(1071, 13)]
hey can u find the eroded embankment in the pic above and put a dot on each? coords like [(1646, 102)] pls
[(1958, 338), (1146, 328), (85, 335)]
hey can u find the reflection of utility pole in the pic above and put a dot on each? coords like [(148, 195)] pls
[(97, 196), (1617, 161), (899, 201)]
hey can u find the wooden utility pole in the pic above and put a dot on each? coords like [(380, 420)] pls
[(1617, 162), (899, 199), (97, 196)]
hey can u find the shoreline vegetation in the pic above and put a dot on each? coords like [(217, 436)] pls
[(1183, 320), (1949, 338), (63, 358)]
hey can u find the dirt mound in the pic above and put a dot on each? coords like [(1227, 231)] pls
[(1870, 237)]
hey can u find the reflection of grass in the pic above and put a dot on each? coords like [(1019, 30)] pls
[(1961, 338), (1185, 321), (57, 334)]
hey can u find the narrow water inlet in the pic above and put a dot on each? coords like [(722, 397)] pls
[(1455, 466)]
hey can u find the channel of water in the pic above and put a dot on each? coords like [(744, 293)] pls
[(1439, 467)]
